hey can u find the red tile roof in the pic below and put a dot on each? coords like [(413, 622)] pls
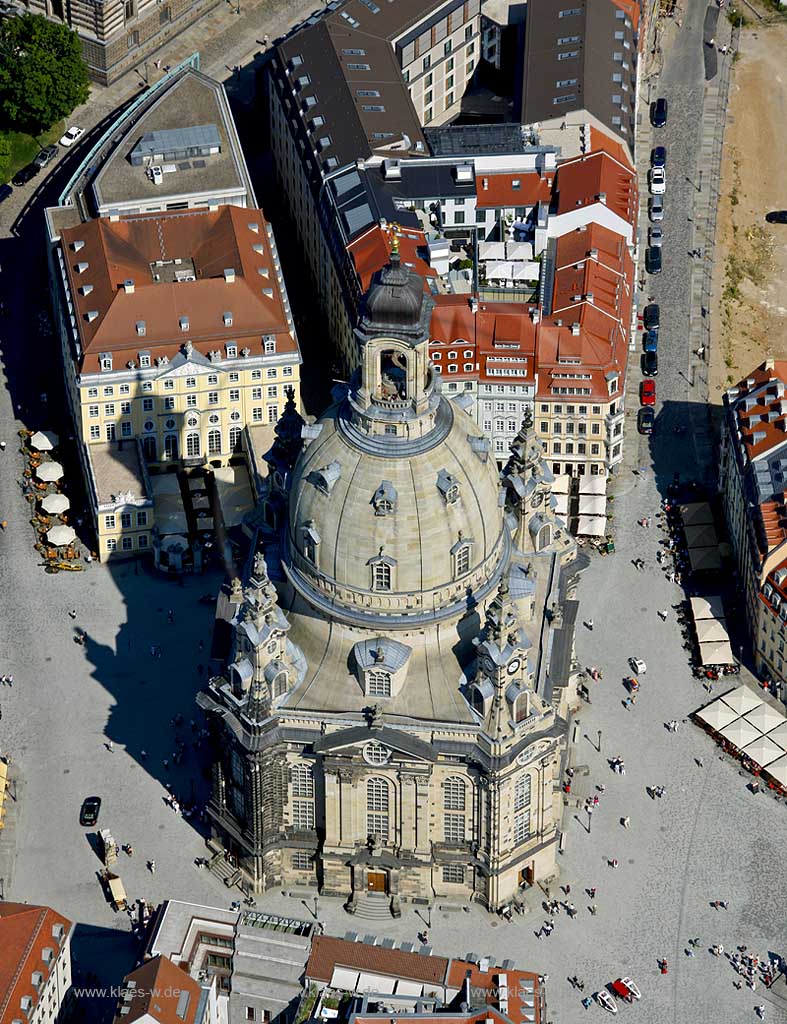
[(485, 987), (371, 251), (581, 181), (329, 952), (25, 932), (101, 255), (498, 189), (502, 333), (160, 990)]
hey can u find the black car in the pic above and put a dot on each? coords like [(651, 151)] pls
[(658, 157), (650, 317), (47, 154), (26, 174), (653, 259), (650, 364), (658, 113), (645, 421), (777, 217), (88, 814), (5, 192)]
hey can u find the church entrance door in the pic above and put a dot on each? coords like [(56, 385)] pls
[(376, 881)]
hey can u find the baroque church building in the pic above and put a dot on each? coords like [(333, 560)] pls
[(391, 719)]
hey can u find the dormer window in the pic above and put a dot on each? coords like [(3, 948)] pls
[(106, 361), (269, 346), (232, 351), (325, 479), (461, 556), (384, 499), (448, 486), (378, 683), (382, 571), (311, 541), (144, 359)]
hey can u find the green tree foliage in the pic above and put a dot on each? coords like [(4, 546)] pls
[(5, 155), (42, 74)]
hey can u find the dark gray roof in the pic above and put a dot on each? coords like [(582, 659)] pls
[(360, 734), (482, 139)]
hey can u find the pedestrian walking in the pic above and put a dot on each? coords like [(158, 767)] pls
[(663, 613), (152, 866), (2, 446), (625, 822), (73, 613), (110, 746), (589, 624)]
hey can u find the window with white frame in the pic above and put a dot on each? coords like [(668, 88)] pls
[(522, 809), (232, 351), (256, 414), (273, 391), (377, 802), (378, 683), (270, 346), (192, 445), (461, 560), (95, 432), (303, 814), (112, 544), (381, 576), (234, 378), (191, 401), (109, 522), (169, 385), (273, 413), (109, 431)]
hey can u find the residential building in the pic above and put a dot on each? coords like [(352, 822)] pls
[(175, 325), (200, 940), (160, 992), (580, 63), (119, 35), (752, 474), (357, 739), (35, 966)]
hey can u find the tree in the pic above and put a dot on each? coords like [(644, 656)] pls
[(5, 155), (42, 74)]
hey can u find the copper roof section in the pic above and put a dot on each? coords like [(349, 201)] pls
[(209, 263), (25, 932), (513, 188), (160, 991), (598, 178)]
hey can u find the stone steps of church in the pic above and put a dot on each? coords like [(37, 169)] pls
[(373, 908)]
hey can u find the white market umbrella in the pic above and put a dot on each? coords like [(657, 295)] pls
[(707, 607), (763, 751), (55, 504), (49, 471), (60, 535), (740, 733), (592, 505), (592, 485), (709, 630), (592, 526), (717, 715), (741, 699), (779, 735), (561, 484), (765, 718), (44, 440), (778, 770)]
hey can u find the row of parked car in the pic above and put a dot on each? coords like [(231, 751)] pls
[(45, 156)]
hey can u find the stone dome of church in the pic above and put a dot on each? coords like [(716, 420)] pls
[(395, 298), (401, 533)]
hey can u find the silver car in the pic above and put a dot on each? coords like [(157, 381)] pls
[(656, 236), (656, 208)]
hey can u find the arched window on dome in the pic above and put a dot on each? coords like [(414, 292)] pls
[(544, 537), (461, 556), (279, 684), (311, 541), (378, 683), (382, 569), (393, 376)]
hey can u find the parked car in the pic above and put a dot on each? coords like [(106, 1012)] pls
[(638, 666), (656, 208), (71, 136), (650, 317), (658, 113), (88, 814), (658, 157), (650, 341), (5, 192), (658, 181), (650, 364), (645, 420), (647, 392), (656, 236), (47, 154), (26, 174), (653, 260), (776, 217)]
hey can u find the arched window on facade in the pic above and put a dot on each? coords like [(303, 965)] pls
[(378, 683), (302, 796), (214, 442), (377, 805), (544, 537), (279, 684), (235, 433), (192, 445), (522, 809), (171, 446), (149, 448), (454, 794)]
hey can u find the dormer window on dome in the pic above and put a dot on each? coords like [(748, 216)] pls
[(448, 486), (325, 479), (382, 571), (311, 541), (384, 499), (461, 555)]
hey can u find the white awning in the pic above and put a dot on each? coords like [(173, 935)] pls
[(561, 504), (741, 699), (592, 505), (778, 770), (409, 988), (740, 733), (705, 559), (44, 440), (696, 513), (711, 629), (779, 735), (592, 526), (707, 607), (762, 751), (49, 471), (717, 715), (765, 718), (716, 652), (592, 485), (562, 483), (345, 979), (376, 983)]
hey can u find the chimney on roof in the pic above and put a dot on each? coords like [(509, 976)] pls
[(589, 296), (473, 304), (229, 275), (184, 323), (575, 329), (535, 315), (593, 254), (128, 286), (76, 246), (769, 364), (602, 198), (392, 170)]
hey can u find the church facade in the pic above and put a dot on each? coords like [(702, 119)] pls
[(391, 717)]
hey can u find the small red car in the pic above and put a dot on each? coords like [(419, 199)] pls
[(647, 392)]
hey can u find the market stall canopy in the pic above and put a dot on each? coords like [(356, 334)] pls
[(707, 607), (55, 504), (711, 629), (592, 505), (740, 733), (717, 715), (592, 526), (696, 513), (779, 735), (60, 535), (716, 652), (44, 440), (561, 504), (703, 536), (562, 483), (762, 751), (741, 699), (778, 770), (765, 718), (705, 559), (592, 485), (49, 471)]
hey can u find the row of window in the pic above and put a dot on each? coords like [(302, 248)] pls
[(231, 351), (454, 368), (212, 380), (148, 404), (128, 543), (301, 860), (558, 449), (126, 520), (571, 410)]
